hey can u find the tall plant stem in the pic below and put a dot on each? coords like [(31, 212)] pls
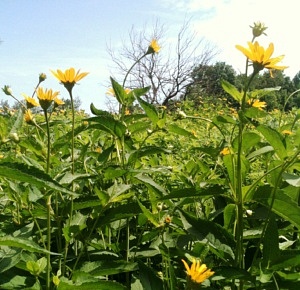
[(239, 254), (48, 205)]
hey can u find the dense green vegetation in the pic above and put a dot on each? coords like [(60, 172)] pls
[(117, 201)]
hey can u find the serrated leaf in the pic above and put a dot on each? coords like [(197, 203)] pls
[(275, 140), (30, 174), (24, 244), (108, 124), (98, 285), (261, 151), (151, 217), (283, 205), (98, 112), (217, 236), (108, 267), (148, 278), (232, 90), (150, 110), (180, 131), (270, 243), (291, 179)]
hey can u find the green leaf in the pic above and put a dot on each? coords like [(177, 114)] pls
[(119, 91), (108, 267), (261, 151), (74, 226), (275, 140), (149, 279), (139, 92), (270, 243), (232, 91), (9, 260), (31, 175), (150, 110), (262, 92), (98, 112), (108, 124), (286, 259), (224, 119), (218, 237), (151, 217), (230, 273), (146, 151), (98, 285), (250, 139), (173, 128), (283, 205), (192, 192), (120, 212), (36, 267), (229, 215), (255, 113), (291, 179), (24, 244)]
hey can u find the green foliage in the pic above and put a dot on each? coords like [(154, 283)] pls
[(116, 201)]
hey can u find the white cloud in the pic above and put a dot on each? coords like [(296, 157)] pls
[(230, 26)]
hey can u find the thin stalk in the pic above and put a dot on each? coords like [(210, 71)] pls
[(48, 205), (239, 254), (48, 278)]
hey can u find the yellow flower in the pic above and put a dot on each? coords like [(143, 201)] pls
[(261, 57), (287, 132), (111, 91), (29, 118), (46, 97), (58, 102), (225, 151), (127, 112), (198, 273), (257, 104), (30, 102), (98, 150), (153, 47), (69, 78)]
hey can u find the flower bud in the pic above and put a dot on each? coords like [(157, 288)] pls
[(42, 77), (14, 137), (7, 90), (258, 29)]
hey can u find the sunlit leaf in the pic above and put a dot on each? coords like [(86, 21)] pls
[(232, 90), (30, 174)]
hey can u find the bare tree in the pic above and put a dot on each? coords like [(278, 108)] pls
[(168, 72)]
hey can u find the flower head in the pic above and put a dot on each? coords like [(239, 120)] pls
[(153, 47), (258, 29), (261, 57), (29, 118), (46, 97), (69, 78), (58, 102), (287, 132), (30, 102), (225, 151), (197, 272), (257, 104)]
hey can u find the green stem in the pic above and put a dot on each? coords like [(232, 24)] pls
[(48, 278), (239, 254), (48, 205)]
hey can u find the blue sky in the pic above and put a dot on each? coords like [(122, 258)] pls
[(41, 35)]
